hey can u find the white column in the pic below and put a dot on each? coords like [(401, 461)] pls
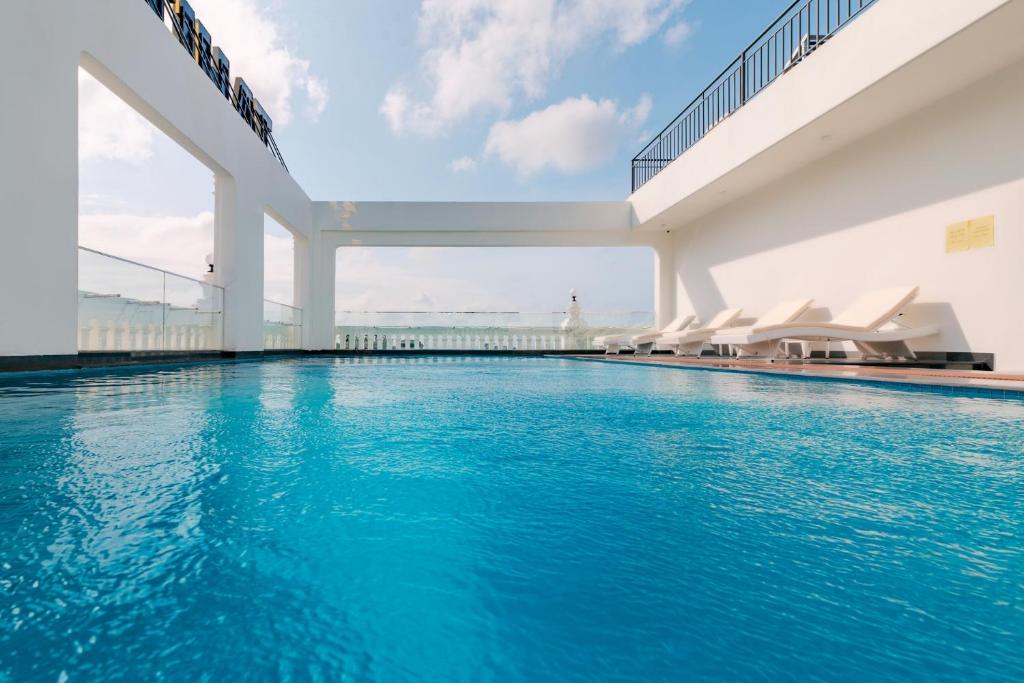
[(39, 180), (665, 283), (238, 262), (318, 308), (302, 286)]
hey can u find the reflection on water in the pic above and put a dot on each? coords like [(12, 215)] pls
[(487, 518)]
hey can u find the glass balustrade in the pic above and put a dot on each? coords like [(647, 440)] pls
[(481, 330), (282, 326), (126, 306)]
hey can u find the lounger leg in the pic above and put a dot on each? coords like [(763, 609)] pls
[(764, 349), (691, 349), (886, 350), (644, 349), (611, 349)]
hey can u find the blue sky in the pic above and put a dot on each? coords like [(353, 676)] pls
[(432, 100), (362, 49)]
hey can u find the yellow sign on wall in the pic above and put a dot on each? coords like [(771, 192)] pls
[(958, 237), (983, 232), (973, 234)]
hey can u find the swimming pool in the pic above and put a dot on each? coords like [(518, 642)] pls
[(504, 519)]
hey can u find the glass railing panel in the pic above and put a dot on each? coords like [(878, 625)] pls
[(282, 326), (127, 306), (194, 315), (120, 304), (480, 330)]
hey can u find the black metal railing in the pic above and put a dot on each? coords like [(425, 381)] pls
[(198, 43), (799, 31)]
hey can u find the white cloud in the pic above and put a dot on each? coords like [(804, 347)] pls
[(488, 279), (422, 300), (95, 202), (252, 40), (478, 55), (108, 128), (637, 115), (394, 108), (175, 243), (180, 244), (463, 165), (573, 136), (370, 279), (678, 34)]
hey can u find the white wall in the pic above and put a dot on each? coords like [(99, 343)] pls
[(38, 182), (874, 214), (890, 61), (124, 45)]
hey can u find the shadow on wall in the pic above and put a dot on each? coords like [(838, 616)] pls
[(941, 313), (904, 167)]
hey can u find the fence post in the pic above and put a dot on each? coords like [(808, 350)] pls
[(743, 78)]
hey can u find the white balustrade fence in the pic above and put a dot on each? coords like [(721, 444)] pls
[(479, 330)]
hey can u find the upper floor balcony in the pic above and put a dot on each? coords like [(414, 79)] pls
[(791, 38), (874, 64)]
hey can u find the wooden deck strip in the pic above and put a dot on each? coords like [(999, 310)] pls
[(967, 379)]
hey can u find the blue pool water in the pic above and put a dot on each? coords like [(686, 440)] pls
[(504, 519)]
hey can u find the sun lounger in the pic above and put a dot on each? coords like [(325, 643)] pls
[(642, 343), (690, 342), (784, 312), (861, 323)]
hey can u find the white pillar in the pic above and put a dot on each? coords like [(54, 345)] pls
[(315, 266), (238, 259), (302, 286), (318, 306), (665, 283), (39, 180)]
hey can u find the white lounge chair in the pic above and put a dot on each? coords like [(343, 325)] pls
[(690, 342), (860, 323), (784, 312), (642, 343)]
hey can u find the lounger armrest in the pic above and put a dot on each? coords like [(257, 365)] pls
[(645, 338), (612, 338), (674, 337), (783, 327)]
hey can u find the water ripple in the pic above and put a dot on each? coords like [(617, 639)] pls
[(504, 519)]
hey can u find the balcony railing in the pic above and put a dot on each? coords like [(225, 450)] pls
[(798, 32), (479, 330), (126, 306)]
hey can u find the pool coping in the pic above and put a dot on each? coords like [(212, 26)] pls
[(113, 359), (948, 382)]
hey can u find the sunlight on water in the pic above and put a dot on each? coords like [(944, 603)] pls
[(504, 519)]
